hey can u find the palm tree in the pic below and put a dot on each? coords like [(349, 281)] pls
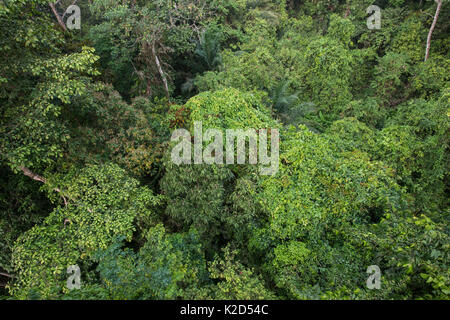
[(208, 50), (282, 101), (288, 107)]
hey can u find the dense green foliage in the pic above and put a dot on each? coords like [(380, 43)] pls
[(87, 179)]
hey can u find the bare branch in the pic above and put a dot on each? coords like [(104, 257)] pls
[(58, 17), (6, 275), (161, 72), (39, 178), (347, 11), (433, 25), (32, 175)]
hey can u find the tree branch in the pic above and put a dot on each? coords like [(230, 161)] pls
[(433, 25), (161, 72), (32, 175), (58, 17), (6, 275), (39, 178), (347, 11)]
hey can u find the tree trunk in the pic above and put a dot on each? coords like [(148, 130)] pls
[(433, 25)]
